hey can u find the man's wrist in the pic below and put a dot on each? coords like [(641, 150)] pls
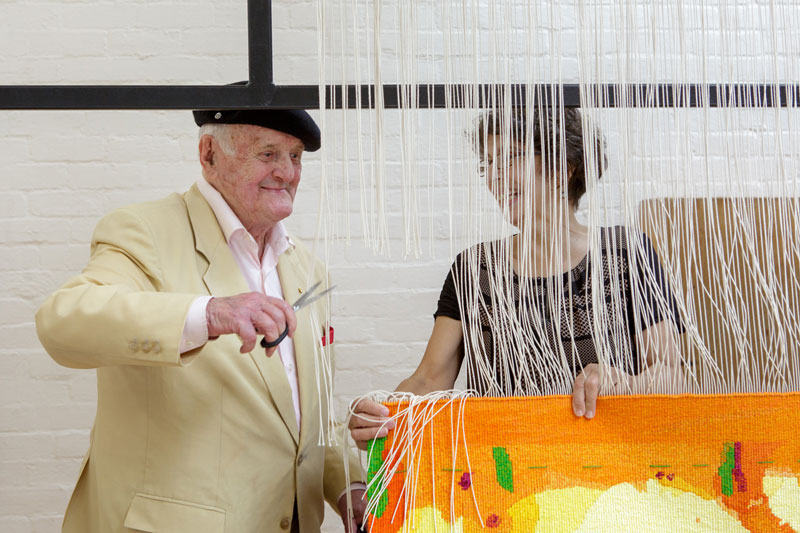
[(195, 328)]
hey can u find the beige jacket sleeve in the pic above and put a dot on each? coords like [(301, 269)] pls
[(113, 313)]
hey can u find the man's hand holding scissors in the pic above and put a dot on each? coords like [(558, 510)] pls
[(252, 314)]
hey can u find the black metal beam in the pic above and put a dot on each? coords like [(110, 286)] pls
[(479, 96), (257, 94)]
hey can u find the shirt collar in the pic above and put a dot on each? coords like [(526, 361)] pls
[(278, 240)]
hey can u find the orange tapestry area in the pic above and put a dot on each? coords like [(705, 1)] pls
[(645, 463)]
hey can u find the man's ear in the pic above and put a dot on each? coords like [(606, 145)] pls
[(206, 152)]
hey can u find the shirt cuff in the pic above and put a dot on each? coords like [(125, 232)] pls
[(195, 329), (352, 487)]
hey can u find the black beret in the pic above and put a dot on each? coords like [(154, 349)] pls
[(296, 122)]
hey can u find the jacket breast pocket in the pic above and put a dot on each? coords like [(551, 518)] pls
[(155, 514)]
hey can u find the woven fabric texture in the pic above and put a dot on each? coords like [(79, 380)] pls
[(645, 463)]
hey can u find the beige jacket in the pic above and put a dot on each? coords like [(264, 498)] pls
[(204, 443)]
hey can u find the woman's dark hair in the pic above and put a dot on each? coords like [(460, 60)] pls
[(549, 128)]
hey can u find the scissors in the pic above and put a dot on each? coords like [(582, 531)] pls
[(308, 298)]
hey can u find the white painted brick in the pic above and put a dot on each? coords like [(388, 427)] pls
[(66, 204), (13, 417), (351, 356), (15, 524), (49, 43), (293, 42), (34, 231), (51, 148), (70, 256), (24, 446), (72, 445), (13, 362), (34, 176), (133, 123), (31, 501), (50, 471), (14, 150), (82, 388), (25, 16), (67, 415), (132, 41), (21, 334), (227, 17), (233, 68), (217, 42), (82, 228), (19, 471), (47, 522), (158, 149), (31, 286), (404, 303), (25, 122), (13, 205)]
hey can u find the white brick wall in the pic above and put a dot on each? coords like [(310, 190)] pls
[(63, 170)]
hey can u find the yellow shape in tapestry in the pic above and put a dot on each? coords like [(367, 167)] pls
[(554, 510), (429, 519), (656, 509), (783, 493), (524, 514), (679, 485)]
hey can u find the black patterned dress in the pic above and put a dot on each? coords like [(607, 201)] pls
[(552, 324)]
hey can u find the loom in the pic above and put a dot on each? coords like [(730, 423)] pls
[(701, 165)]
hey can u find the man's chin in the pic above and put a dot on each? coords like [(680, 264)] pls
[(281, 212)]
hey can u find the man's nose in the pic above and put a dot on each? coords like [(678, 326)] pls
[(284, 169)]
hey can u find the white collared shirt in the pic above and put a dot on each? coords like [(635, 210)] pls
[(261, 275)]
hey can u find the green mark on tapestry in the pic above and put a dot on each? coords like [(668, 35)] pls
[(725, 470), (375, 454), (502, 465)]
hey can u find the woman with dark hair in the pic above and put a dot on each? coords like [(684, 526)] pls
[(521, 311)]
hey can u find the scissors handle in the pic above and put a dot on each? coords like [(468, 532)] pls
[(272, 344)]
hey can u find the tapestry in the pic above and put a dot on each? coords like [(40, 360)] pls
[(644, 463)]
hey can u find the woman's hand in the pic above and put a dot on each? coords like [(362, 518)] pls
[(370, 420), (587, 387)]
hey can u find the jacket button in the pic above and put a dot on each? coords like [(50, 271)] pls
[(300, 459), (146, 346), (285, 523), (133, 346), (156, 347)]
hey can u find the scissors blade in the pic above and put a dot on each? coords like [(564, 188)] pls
[(299, 305), (300, 302)]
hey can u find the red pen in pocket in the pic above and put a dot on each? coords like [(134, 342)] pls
[(327, 339)]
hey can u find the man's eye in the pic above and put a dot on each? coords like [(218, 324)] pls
[(267, 154)]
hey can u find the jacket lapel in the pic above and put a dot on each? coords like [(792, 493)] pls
[(224, 278), (294, 281)]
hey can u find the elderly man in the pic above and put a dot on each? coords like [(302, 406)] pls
[(199, 430)]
